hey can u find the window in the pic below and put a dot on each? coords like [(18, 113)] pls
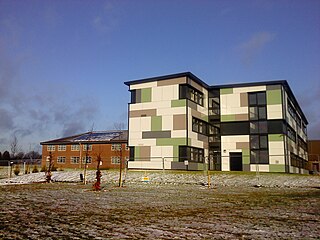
[(133, 96), (259, 149), (61, 160), (199, 126), (291, 134), (51, 148), (258, 127), (291, 110), (191, 154), (75, 160), (89, 160), (131, 154), (75, 147), (87, 147), (62, 148), (115, 160), (257, 113), (188, 92), (115, 147), (302, 144)]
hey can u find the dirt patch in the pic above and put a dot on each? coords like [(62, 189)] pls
[(73, 211)]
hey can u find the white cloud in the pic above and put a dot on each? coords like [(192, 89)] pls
[(254, 45)]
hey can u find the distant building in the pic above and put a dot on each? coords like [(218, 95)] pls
[(179, 122), (74, 151), (314, 155)]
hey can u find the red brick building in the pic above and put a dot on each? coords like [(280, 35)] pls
[(314, 155), (73, 151)]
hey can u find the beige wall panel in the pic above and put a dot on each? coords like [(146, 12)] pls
[(168, 93), (145, 124), (145, 164), (135, 135), (276, 148), (156, 151), (225, 164), (167, 151), (143, 85), (135, 123), (178, 133), (261, 167), (274, 111), (233, 100), (249, 89), (136, 106), (156, 94), (276, 160), (142, 142), (156, 105), (196, 143), (238, 138), (171, 111), (173, 81), (176, 92), (167, 122)]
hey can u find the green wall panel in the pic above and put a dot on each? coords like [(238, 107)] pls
[(136, 152), (277, 168), (274, 97), (275, 137), (176, 153), (156, 123), (146, 95), (179, 103), (226, 91), (228, 118), (171, 141), (245, 156)]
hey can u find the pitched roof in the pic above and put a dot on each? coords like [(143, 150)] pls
[(92, 137)]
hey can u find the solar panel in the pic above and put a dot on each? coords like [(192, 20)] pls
[(98, 136)]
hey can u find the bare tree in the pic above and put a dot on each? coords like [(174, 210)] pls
[(120, 127), (14, 146)]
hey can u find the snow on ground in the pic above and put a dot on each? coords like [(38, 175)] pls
[(171, 177)]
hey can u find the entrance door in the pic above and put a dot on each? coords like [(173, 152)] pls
[(235, 161)]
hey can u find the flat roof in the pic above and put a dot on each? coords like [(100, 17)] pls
[(166, 77)]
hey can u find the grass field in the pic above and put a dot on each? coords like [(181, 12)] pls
[(148, 211)]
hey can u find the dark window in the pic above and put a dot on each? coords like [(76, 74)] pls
[(259, 149), (131, 153), (258, 127), (133, 96), (235, 128), (191, 154), (199, 126), (291, 133), (261, 96), (276, 126), (188, 92)]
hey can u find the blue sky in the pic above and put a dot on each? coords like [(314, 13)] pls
[(63, 63)]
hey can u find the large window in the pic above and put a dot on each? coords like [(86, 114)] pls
[(115, 160), (75, 147), (75, 160), (116, 147), (188, 92), (51, 148), (259, 153), (86, 159), (199, 126), (62, 147), (291, 134), (87, 147), (61, 160), (191, 154)]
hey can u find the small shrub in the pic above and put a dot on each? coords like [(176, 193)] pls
[(61, 169), (53, 168), (16, 170), (27, 171), (43, 168), (35, 169)]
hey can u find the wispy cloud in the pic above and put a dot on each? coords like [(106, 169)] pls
[(252, 47), (107, 19)]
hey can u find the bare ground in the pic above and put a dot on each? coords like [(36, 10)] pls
[(152, 211)]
